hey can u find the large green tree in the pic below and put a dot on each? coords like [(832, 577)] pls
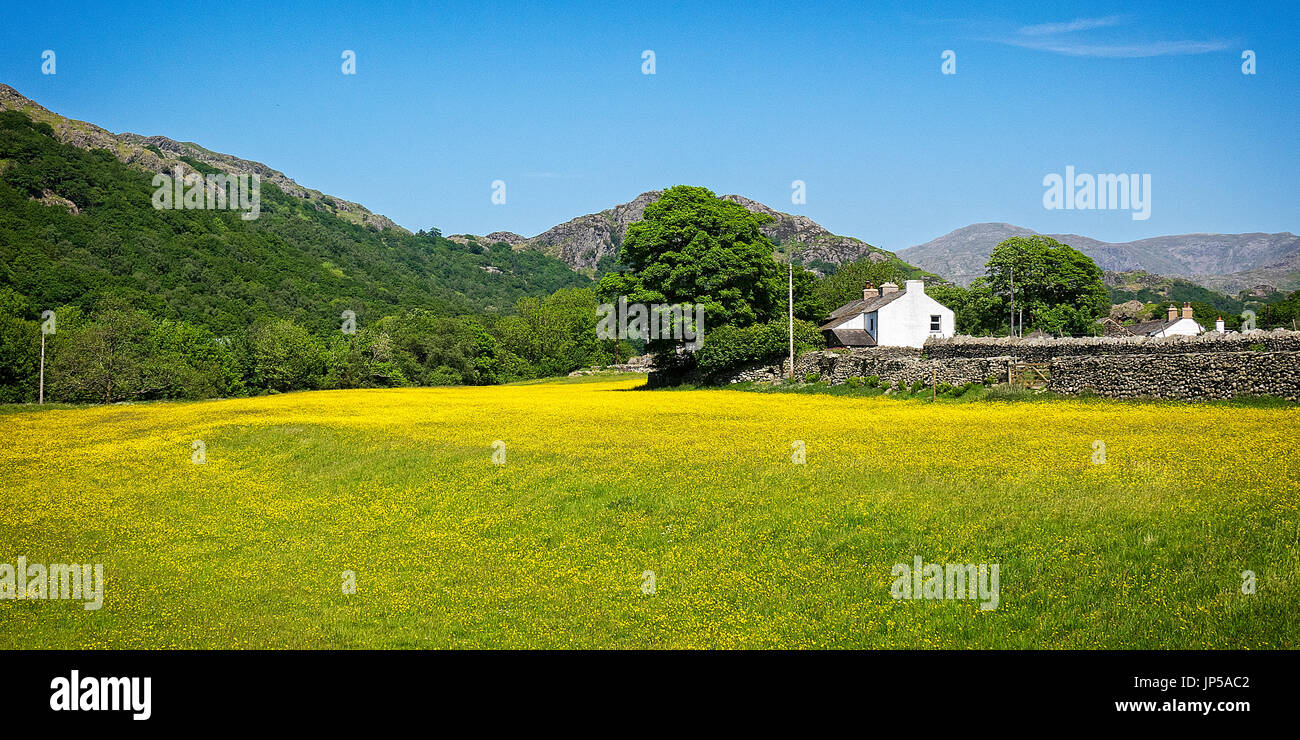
[(692, 247), (1059, 288)]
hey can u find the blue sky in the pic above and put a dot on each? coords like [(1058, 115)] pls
[(849, 98)]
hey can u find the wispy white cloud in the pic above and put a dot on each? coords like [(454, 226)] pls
[(1053, 38), (1078, 24), (1121, 51)]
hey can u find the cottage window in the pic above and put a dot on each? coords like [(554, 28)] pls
[(934, 323)]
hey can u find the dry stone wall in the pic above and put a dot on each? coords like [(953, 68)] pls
[(1190, 368), (896, 364), (1189, 376), (1161, 374), (1044, 350)]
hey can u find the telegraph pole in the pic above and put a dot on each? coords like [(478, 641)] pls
[(791, 316), (41, 396)]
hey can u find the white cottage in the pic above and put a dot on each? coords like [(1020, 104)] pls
[(889, 317), (1173, 325)]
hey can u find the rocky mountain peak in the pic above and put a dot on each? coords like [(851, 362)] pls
[(584, 241)]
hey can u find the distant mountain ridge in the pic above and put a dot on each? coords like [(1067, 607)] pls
[(1224, 262), (585, 242)]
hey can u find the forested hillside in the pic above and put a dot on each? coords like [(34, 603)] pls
[(78, 226), (152, 303)]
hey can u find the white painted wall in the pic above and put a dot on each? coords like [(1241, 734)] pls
[(905, 322), (857, 322), (1183, 328)]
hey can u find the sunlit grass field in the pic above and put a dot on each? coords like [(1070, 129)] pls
[(602, 482)]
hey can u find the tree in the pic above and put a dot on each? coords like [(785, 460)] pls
[(847, 282), (285, 357), (366, 359), (557, 334), (1048, 275), (1283, 314), (692, 247), (20, 347), (103, 359)]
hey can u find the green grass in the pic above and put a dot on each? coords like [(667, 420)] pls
[(750, 550)]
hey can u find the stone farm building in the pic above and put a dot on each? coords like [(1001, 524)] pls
[(889, 317)]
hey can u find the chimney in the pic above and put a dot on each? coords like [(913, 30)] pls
[(915, 286), (868, 292), (1187, 310), (1219, 325), (888, 288), (1173, 313)]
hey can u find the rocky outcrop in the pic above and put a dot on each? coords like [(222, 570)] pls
[(51, 198), (638, 364), (509, 237), (1128, 310), (586, 240), (161, 154)]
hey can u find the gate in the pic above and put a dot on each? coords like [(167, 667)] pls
[(1034, 375)]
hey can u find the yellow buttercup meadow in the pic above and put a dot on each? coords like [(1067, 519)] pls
[(530, 516)]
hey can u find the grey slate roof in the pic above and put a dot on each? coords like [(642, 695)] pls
[(834, 322), (1146, 328), (849, 338), (853, 308)]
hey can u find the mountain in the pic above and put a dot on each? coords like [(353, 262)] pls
[(961, 254), (78, 225), (590, 243), (1139, 285), (1283, 275), (1223, 262), (161, 154)]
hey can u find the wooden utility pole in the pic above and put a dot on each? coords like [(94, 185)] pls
[(791, 316), (41, 397)]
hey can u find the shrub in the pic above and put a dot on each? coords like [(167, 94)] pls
[(918, 385), (854, 382), (728, 347), (812, 377), (873, 381), (991, 381)]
